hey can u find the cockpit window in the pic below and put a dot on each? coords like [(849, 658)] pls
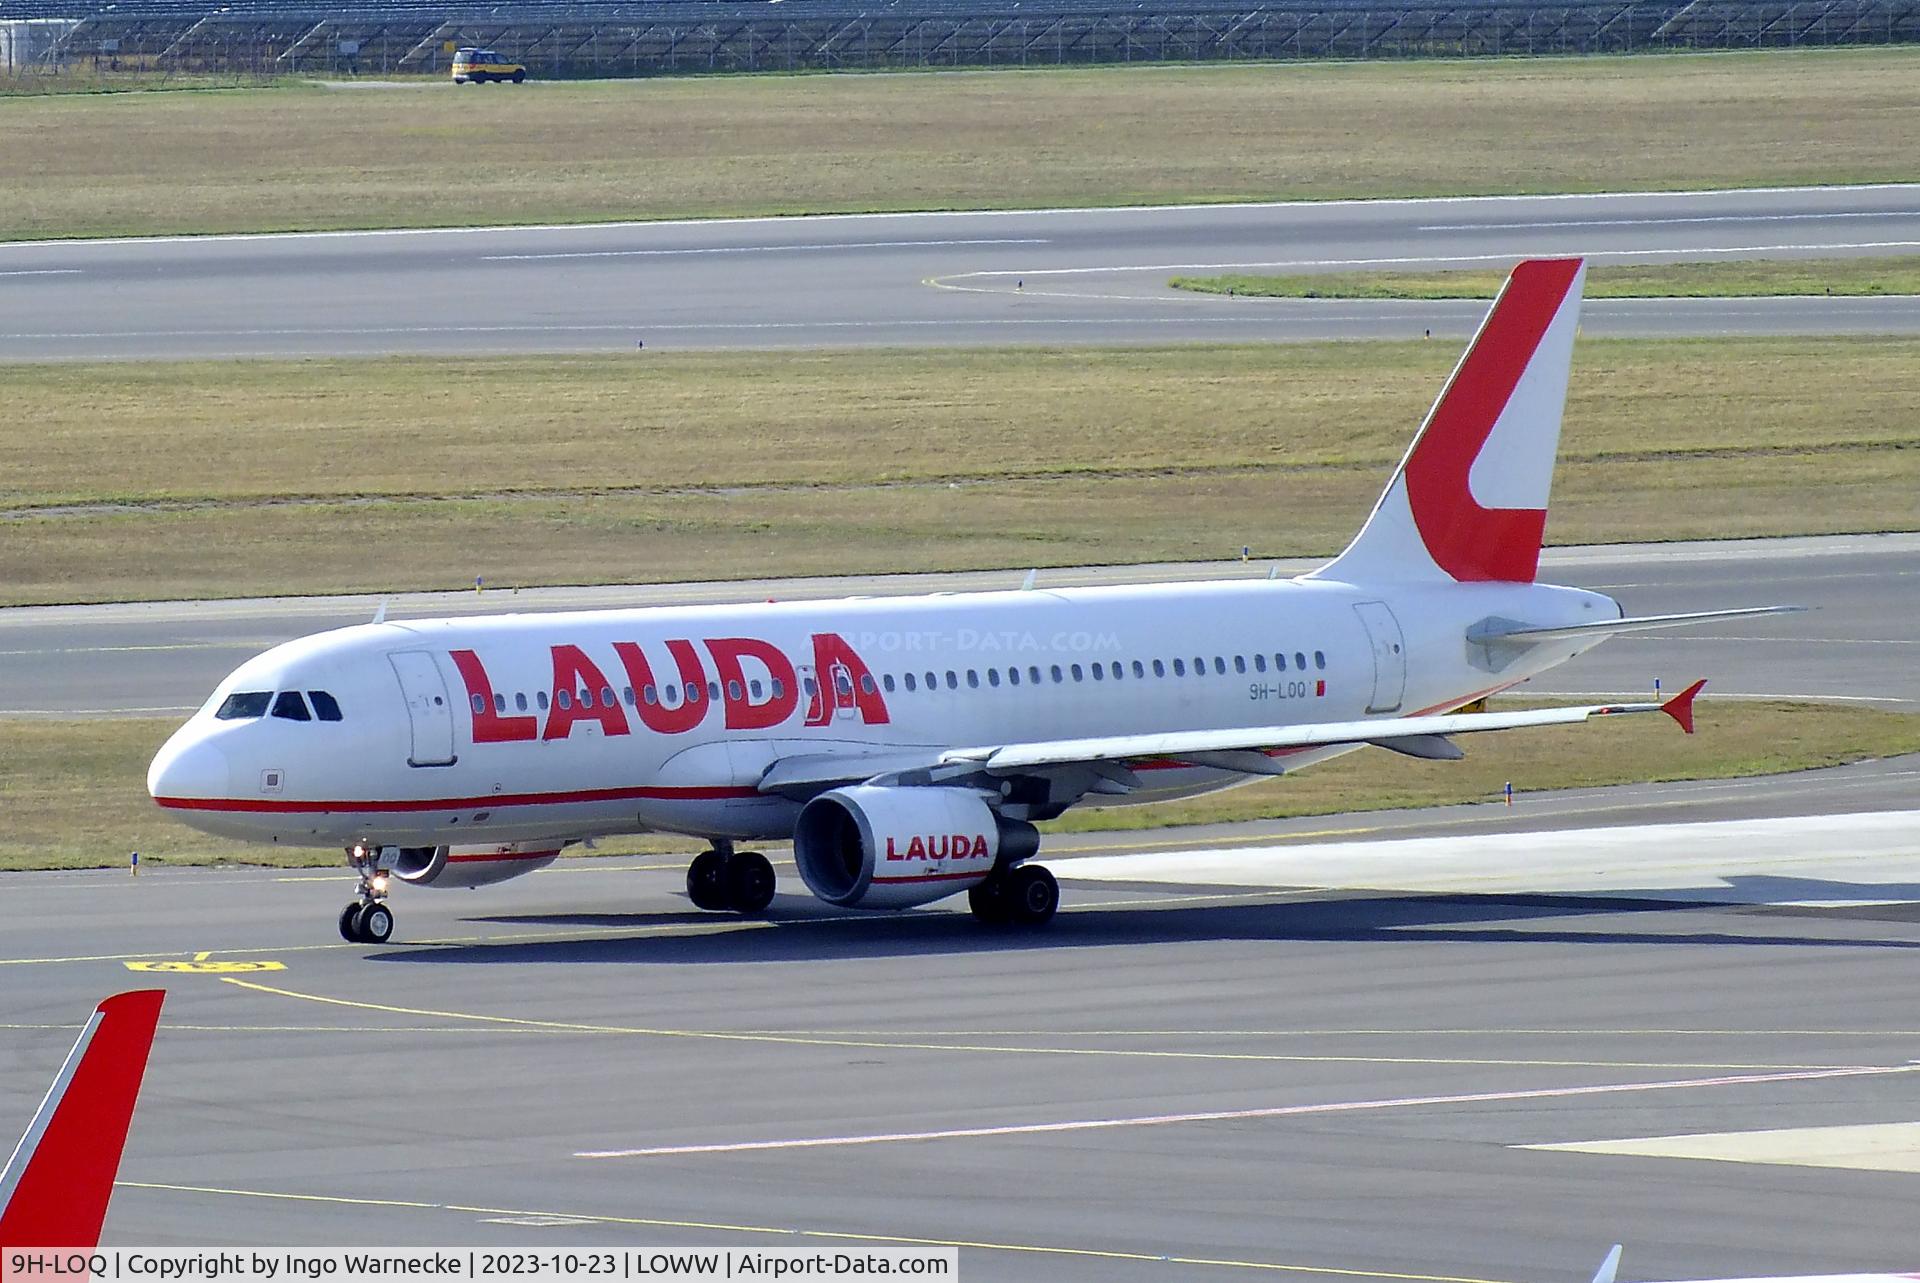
[(289, 705), (244, 704), (325, 707)]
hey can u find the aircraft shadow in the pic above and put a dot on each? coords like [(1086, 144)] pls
[(800, 930)]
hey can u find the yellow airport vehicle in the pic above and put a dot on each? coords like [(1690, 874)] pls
[(478, 66)]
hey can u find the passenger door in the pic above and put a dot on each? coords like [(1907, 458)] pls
[(428, 712)]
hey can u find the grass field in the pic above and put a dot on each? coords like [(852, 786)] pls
[(1852, 277), (76, 797), (309, 157), (703, 465)]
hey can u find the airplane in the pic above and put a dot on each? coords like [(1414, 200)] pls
[(907, 746), (55, 1189)]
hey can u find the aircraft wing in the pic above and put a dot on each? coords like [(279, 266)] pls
[(1247, 749), (54, 1190)]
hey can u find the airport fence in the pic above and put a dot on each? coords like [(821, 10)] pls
[(264, 38)]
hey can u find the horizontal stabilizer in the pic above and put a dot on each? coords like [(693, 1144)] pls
[(1506, 630)]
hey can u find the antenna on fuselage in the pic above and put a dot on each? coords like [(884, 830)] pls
[(1026, 585), (380, 611)]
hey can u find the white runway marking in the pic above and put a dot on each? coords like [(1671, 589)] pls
[(1655, 220), (1234, 1115), (1873, 1147), (1308, 205), (1510, 256), (750, 249), (1866, 858)]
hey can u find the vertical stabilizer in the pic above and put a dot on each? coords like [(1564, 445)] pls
[(1469, 501), (54, 1190)]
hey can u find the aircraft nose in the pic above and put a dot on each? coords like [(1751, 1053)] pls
[(188, 766)]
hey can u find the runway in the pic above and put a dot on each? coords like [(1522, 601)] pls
[(1381, 1071), (1858, 643), (1042, 277)]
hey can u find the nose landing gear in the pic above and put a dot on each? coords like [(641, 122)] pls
[(722, 878), (367, 920)]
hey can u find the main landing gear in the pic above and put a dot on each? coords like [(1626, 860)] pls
[(367, 920), (722, 878), (1025, 895)]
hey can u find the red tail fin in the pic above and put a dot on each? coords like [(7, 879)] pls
[(1469, 502), (54, 1190)]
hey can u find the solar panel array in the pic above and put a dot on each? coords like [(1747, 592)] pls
[(565, 38)]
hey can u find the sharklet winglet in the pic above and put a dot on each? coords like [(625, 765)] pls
[(1680, 707)]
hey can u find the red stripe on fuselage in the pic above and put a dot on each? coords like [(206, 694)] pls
[(279, 806), (500, 856)]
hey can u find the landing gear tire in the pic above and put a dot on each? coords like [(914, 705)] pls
[(988, 901), (1032, 895), (349, 918), (373, 923), (749, 882), (707, 881)]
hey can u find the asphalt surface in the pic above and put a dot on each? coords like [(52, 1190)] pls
[(1066, 276), (1858, 642), (1309, 1078)]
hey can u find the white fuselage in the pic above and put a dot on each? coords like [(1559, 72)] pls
[(539, 727)]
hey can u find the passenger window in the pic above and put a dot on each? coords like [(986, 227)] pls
[(734, 692), (953, 682), (1259, 663), (324, 706), (520, 700), (713, 690), (779, 689), (1219, 665), (566, 699), (1279, 663), (499, 702), (244, 704), (649, 696), (1013, 675), (1239, 663), (1099, 672), (1118, 672), (290, 706), (1033, 673), (1300, 660), (627, 695), (1179, 667), (1057, 675), (1075, 670), (1199, 666), (808, 685), (843, 683), (1139, 669), (866, 683), (993, 677), (886, 682), (606, 697), (1319, 659), (693, 692), (973, 679), (753, 688), (1159, 669), (479, 706), (910, 683), (540, 697)]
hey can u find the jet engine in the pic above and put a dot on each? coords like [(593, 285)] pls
[(878, 847), (467, 866)]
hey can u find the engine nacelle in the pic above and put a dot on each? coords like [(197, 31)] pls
[(467, 866), (874, 847)]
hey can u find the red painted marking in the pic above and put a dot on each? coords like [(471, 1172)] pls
[(61, 1198), (932, 877), (489, 727), (573, 671), (1470, 542), (658, 717), (277, 806), (742, 713), (498, 857)]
